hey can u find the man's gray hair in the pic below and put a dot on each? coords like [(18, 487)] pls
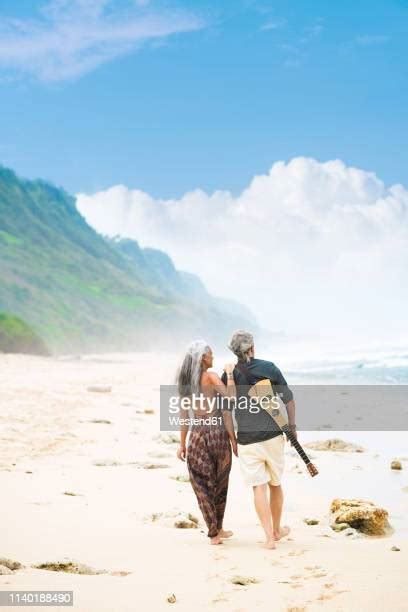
[(241, 342)]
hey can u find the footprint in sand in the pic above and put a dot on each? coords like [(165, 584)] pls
[(296, 553), (220, 598), (329, 592), (327, 595), (316, 571), (293, 585)]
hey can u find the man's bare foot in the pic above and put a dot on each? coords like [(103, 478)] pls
[(270, 543), (216, 539), (225, 533), (283, 531)]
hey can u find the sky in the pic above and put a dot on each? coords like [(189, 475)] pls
[(262, 144), (174, 95)]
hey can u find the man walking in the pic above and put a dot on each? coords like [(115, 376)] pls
[(260, 441)]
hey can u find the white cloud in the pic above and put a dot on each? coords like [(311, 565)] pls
[(73, 37), (273, 24), (309, 246), (313, 31), (373, 39)]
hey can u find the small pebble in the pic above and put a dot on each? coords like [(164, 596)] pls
[(339, 526), (181, 478)]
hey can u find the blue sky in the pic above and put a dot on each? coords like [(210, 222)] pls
[(170, 96)]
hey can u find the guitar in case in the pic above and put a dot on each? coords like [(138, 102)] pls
[(274, 406)]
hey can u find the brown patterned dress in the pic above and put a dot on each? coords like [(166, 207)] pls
[(209, 465)]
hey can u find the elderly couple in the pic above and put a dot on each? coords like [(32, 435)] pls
[(259, 443)]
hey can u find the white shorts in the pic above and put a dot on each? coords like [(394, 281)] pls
[(262, 462)]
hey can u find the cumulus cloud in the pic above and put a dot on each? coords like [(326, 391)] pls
[(309, 246), (72, 37)]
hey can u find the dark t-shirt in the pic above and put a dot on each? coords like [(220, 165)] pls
[(257, 425)]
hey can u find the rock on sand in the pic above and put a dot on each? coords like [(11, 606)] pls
[(360, 514)]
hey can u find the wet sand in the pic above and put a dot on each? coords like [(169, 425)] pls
[(86, 477)]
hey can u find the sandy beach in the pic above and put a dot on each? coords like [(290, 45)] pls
[(86, 476)]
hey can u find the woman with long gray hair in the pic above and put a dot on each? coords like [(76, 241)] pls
[(211, 436)]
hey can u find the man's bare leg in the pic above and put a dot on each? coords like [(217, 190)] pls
[(263, 510), (276, 505)]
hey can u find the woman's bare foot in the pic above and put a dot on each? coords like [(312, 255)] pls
[(283, 532), (216, 539), (225, 533), (270, 543)]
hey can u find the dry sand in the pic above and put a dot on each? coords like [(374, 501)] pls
[(75, 488)]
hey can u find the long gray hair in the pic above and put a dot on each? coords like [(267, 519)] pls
[(189, 374)]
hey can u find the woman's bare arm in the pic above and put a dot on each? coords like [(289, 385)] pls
[(227, 390)]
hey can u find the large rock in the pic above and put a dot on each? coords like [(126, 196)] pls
[(10, 564), (360, 514)]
